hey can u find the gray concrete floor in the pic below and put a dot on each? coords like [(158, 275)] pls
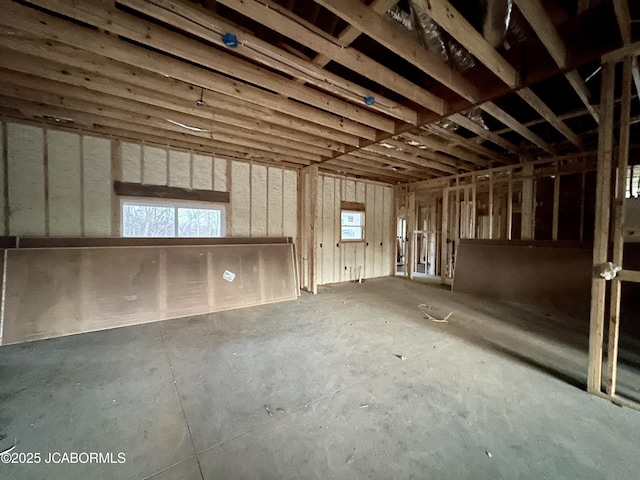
[(351, 384)]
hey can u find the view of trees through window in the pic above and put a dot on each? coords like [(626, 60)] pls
[(161, 219)]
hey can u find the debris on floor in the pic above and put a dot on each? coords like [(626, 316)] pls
[(11, 448), (268, 410), (364, 405), (401, 357), (429, 312)]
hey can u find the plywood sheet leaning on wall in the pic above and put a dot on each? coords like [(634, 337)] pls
[(550, 275), (52, 292)]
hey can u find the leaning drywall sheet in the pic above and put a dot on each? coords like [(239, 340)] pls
[(551, 277), (25, 152), (2, 179), (65, 189), (97, 186), (62, 291)]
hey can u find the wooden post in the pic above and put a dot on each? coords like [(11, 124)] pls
[(411, 226), (444, 235), (618, 223), (490, 205), (528, 199), (582, 199), (510, 206), (313, 222), (601, 232), (556, 204), (474, 209)]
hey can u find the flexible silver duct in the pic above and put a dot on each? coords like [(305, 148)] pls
[(497, 18)]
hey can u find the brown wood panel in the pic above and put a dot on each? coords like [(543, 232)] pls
[(67, 242), (52, 292), (549, 275), (174, 193)]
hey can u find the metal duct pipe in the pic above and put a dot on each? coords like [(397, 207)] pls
[(497, 17)]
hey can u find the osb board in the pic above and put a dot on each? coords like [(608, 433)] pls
[(62, 291), (556, 278)]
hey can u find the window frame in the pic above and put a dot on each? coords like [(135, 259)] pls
[(359, 211), (176, 204)]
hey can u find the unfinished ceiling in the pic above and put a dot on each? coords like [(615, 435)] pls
[(384, 90)]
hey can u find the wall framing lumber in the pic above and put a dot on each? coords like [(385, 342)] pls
[(174, 193), (601, 233)]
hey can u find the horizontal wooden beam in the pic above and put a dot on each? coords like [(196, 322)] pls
[(443, 13), (201, 23), (174, 193), (191, 50), (43, 24), (280, 20), (402, 43)]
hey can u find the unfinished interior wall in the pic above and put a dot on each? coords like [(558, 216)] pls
[(323, 257), (632, 220), (55, 183), (59, 183), (545, 200), (344, 261)]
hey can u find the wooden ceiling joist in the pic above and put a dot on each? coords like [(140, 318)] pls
[(133, 69), (542, 24), (299, 31), (350, 34), (209, 28), (47, 26), (402, 43), (172, 43), (482, 132)]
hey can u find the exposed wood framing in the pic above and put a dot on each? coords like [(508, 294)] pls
[(542, 24), (618, 231), (601, 235)]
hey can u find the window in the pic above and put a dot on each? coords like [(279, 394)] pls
[(633, 181), (167, 218), (352, 223)]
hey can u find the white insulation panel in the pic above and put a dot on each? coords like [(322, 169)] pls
[(131, 162), (25, 151), (240, 199), (179, 169), (275, 206), (290, 203), (202, 172), (220, 182), (154, 169), (97, 186), (258, 200), (65, 188)]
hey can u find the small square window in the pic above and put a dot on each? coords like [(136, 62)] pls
[(352, 225)]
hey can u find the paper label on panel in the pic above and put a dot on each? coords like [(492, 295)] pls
[(228, 276)]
